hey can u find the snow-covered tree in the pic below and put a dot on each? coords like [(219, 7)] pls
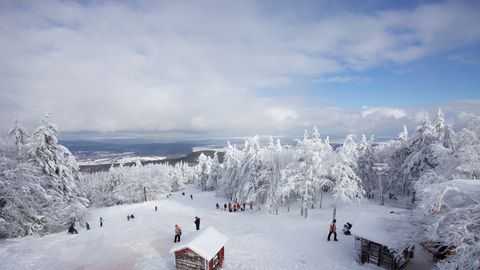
[(252, 187), (204, 168), (129, 184), (271, 173), (444, 133), (366, 160), (403, 136), (19, 134), (215, 174), (39, 186), (179, 177), (453, 209), (348, 186), (230, 179)]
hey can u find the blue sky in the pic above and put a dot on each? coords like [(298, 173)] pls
[(237, 68), (426, 82)]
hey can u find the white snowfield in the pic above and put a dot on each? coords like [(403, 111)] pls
[(257, 240)]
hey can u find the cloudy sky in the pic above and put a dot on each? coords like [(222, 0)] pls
[(188, 69)]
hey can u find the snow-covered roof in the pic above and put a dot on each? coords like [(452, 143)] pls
[(206, 243), (376, 227)]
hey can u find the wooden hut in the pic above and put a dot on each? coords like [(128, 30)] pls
[(205, 251), (374, 242)]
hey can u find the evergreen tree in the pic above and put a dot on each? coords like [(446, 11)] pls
[(38, 186), (19, 134), (204, 168), (347, 184)]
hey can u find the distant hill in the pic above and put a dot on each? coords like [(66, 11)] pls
[(85, 149), (191, 159)]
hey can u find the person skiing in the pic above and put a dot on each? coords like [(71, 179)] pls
[(178, 232), (72, 230), (191, 196), (101, 221), (197, 223), (156, 208), (225, 207), (217, 205), (332, 230), (128, 217), (87, 226), (229, 207)]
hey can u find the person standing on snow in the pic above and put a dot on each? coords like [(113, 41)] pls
[(197, 223), (87, 226), (217, 205), (178, 232), (101, 221), (332, 230), (156, 208), (72, 230), (191, 196)]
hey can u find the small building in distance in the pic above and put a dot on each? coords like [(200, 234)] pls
[(205, 251), (374, 242)]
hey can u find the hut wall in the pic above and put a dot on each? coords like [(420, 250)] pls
[(377, 254), (186, 259), (217, 261)]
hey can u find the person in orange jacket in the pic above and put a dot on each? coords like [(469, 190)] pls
[(332, 230)]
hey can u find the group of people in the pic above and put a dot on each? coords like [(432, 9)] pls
[(131, 216), (232, 207), (178, 230), (72, 230)]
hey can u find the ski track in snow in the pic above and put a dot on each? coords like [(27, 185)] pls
[(258, 240)]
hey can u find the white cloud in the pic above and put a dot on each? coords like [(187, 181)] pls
[(196, 66), (280, 115), (345, 79), (384, 112)]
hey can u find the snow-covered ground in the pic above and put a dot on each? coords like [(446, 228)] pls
[(258, 240)]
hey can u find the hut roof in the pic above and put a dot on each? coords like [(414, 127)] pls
[(206, 243), (376, 227)]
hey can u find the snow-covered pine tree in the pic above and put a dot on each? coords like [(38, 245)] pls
[(216, 171), (204, 167), (365, 163), (348, 186), (19, 134), (271, 174), (444, 133), (403, 136), (252, 188), (39, 186), (467, 146), (179, 178), (230, 179)]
